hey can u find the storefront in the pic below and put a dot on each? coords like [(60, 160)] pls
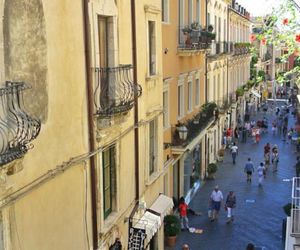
[(192, 171)]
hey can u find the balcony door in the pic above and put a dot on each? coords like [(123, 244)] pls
[(103, 62)]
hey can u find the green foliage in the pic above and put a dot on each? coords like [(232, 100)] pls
[(287, 209), (261, 74), (171, 225), (212, 168), (240, 91), (280, 30)]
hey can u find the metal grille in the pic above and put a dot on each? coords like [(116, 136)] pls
[(17, 127), (295, 211), (115, 90)]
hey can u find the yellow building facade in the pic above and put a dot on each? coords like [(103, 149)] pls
[(184, 94), (97, 160), (239, 62)]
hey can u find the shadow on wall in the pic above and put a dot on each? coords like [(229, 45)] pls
[(25, 51)]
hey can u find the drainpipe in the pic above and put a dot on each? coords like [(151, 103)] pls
[(206, 90), (228, 21), (136, 107), (206, 98), (92, 146)]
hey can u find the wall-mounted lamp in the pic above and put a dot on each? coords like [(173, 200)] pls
[(166, 50)]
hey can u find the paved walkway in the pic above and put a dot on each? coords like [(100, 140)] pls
[(259, 222)]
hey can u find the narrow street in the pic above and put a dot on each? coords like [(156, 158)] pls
[(259, 213)]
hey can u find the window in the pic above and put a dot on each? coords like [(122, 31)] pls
[(190, 11), (181, 21), (197, 92), (219, 29), (208, 18), (216, 28), (109, 180), (218, 88), (166, 108), (180, 101), (152, 146), (215, 89), (102, 40), (208, 90), (198, 11), (165, 10), (225, 39), (152, 48), (190, 96)]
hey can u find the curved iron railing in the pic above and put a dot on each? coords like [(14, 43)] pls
[(17, 127), (115, 90)]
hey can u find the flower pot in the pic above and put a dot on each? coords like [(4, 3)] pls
[(171, 241)]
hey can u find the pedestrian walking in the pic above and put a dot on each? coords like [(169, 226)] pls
[(230, 205), (250, 246), (216, 198), (186, 247), (261, 173), (257, 135), (275, 158), (234, 152), (274, 127), (267, 155), (183, 209), (249, 169)]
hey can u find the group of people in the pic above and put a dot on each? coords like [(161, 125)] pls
[(214, 207)]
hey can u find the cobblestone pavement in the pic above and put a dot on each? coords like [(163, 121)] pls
[(259, 213)]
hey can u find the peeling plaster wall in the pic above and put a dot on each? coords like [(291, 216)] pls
[(25, 55)]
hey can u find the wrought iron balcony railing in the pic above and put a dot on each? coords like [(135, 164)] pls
[(17, 127), (295, 211), (115, 91), (198, 123)]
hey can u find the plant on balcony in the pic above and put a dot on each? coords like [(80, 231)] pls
[(210, 28), (277, 60), (211, 36), (186, 30), (195, 26), (239, 92)]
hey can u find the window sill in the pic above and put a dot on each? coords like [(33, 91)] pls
[(109, 222), (153, 178), (152, 77)]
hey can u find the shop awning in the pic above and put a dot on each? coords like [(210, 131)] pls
[(162, 206), (149, 222), (256, 93)]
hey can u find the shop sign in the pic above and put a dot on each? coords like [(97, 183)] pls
[(136, 239)]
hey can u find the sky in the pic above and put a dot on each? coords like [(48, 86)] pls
[(259, 7)]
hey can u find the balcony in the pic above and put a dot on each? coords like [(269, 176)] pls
[(194, 39), (241, 48), (266, 57), (223, 105), (295, 211), (195, 125), (115, 91), (17, 127)]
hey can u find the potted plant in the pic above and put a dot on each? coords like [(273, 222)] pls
[(195, 26), (211, 170), (221, 154), (186, 30), (171, 229), (211, 36), (210, 28)]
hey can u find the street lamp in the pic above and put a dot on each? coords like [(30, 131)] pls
[(182, 131)]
